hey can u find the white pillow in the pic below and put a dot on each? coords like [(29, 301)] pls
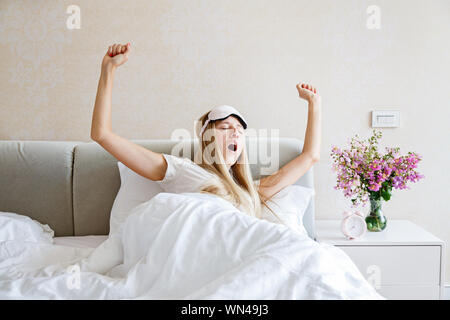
[(290, 204), (134, 190), (14, 226)]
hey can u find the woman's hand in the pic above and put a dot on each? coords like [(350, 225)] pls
[(308, 92), (116, 55)]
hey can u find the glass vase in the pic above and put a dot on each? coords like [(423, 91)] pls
[(376, 221)]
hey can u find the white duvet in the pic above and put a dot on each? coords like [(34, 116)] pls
[(182, 246)]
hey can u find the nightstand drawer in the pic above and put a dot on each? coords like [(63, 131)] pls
[(398, 265)]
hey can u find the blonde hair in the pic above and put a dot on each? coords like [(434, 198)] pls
[(238, 189)]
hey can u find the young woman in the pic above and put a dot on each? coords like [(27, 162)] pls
[(222, 168)]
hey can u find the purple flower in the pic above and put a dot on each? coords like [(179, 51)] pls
[(361, 170)]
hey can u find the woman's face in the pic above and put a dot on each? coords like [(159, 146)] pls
[(230, 138)]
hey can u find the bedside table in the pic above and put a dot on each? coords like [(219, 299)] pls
[(402, 262)]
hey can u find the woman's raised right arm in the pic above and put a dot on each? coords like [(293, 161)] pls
[(144, 162)]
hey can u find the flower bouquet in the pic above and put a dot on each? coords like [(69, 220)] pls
[(365, 175)]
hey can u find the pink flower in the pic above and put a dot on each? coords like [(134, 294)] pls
[(361, 169)]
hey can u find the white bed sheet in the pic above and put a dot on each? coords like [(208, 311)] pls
[(179, 246), (80, 241)]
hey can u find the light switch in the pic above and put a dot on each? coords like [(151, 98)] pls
[(385, 118)]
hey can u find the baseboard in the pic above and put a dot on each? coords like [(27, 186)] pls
[(447, 292)]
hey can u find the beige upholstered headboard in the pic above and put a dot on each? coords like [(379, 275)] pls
[(71, 185)]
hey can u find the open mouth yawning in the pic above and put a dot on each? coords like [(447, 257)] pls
[(232, 147)]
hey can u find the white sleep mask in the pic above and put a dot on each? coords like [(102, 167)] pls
[(220, 113)]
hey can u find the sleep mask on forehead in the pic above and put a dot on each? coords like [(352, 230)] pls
[(220, 113)]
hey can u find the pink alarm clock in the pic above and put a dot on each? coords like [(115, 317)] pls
[(353, 224)]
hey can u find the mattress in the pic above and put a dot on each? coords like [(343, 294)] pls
[(80, 241)]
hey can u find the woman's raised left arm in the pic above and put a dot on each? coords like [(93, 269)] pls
[(297, 167)]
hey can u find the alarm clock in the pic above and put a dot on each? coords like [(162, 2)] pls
[(353, 225)]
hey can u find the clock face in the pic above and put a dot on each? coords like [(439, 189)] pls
[(355, 226)]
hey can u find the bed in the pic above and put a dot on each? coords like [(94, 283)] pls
[(68, 188)]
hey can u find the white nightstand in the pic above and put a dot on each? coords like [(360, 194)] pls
[(402, 262)]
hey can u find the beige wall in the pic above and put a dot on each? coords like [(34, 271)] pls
[(191, 55)]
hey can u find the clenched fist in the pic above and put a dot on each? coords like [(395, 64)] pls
[(308, 92), (116, 55)]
